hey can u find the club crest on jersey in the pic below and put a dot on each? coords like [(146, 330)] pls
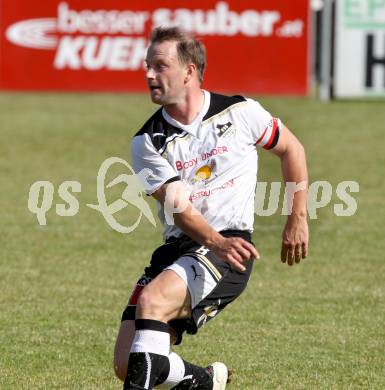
[(226, 131)]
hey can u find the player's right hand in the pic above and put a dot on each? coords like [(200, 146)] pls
[(235, 251)]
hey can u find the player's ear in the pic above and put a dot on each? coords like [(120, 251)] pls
[(190, 71)]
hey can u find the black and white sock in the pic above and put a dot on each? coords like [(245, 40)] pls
[(151, 363), (195, 377), (148, 363)]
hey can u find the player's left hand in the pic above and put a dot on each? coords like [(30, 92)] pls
[(295, 238)]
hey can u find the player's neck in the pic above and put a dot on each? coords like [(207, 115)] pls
[(188, 108)]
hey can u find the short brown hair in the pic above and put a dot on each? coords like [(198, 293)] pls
[(189, 49)]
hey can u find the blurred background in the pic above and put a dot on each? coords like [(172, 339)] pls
[(72, 94), (334, 48)]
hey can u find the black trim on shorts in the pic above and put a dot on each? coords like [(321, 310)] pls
[(129, 313), (175, 178)]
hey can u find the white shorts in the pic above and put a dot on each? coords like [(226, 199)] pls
[(198, 279)]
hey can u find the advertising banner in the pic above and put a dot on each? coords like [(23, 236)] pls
[(78, 45), (359, 66)]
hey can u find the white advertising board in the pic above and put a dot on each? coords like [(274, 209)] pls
[(359, 52)]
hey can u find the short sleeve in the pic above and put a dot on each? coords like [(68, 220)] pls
[(153, 170), (264, 128)]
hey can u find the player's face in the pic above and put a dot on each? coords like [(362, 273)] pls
[(165, 75)]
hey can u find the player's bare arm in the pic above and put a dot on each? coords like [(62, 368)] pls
[(234, 250), (295, 235)]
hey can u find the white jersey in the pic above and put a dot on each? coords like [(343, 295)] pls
[(215, 156)]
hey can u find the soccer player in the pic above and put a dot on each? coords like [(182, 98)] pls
[(197, 156)]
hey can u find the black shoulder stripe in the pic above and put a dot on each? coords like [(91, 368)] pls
[(218, 103), (168, 140), (158, 129), (156, 117)]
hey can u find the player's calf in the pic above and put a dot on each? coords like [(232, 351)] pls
[(123, 347)]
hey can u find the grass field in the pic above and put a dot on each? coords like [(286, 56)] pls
[(319, 325)]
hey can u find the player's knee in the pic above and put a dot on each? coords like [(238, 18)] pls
[(147, 300), (151, 304)]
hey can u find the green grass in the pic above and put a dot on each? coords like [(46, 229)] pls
[(319, 325)]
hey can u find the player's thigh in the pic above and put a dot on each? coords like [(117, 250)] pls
[(123, 347), (166, 297)]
